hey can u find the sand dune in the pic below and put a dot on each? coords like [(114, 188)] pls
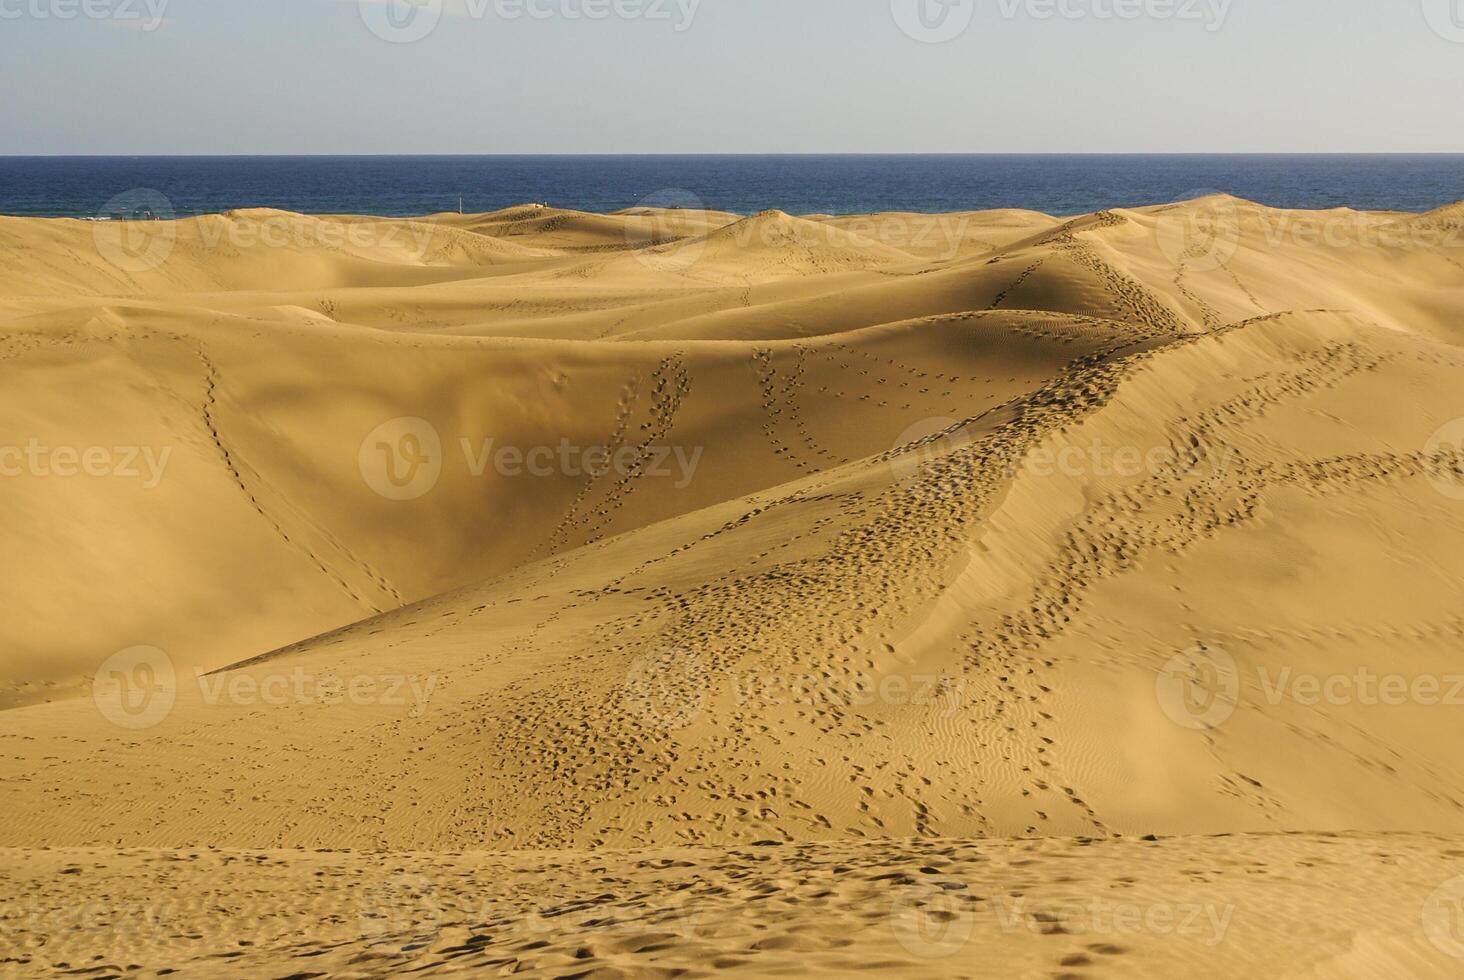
[(673, 591)]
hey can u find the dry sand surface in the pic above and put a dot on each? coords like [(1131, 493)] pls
[(674, 593)]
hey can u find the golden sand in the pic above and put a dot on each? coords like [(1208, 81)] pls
[(672, 593)]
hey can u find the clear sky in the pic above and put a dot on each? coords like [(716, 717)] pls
[(736, 76)]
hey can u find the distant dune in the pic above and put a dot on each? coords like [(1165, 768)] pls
[(669, 593)]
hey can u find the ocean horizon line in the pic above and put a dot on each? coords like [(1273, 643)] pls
[(411, 185)]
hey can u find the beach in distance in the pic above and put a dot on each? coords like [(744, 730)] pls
[(680, 587)]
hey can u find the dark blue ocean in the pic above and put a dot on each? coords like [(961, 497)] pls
[(400, 185)]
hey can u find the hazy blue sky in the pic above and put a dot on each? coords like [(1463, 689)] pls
[(527, 76)]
